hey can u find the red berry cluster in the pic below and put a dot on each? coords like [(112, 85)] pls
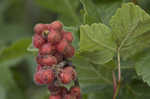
[(53, 68)]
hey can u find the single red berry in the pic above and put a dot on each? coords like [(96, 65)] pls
[(54, 37), (44, 76), (38, 68), (49, 27), (75, 91), (55, 97), (38, 41), (65, 78), (68, 96), (59, 57), (47, 76), (69, 51), (62, 46), (46, 49), (37, 78), (67, 75), (68, 36), (47, 60), (39, 28), (56, 25)]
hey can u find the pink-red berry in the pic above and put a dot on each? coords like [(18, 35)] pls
[(47, 76), (67, 75), (62, 46), (56, 25), (68, 36), (68, 96), (69, 51), (66, 49), (55, 97), (44, 76), (54, 37), (47, 60), (38, 41), (75, 91), (37, 78), (39, 28), (46, 49)]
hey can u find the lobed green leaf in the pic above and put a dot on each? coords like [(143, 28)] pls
[(96, 43), (130, 27)]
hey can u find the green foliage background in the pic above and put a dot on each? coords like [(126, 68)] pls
[(99, 28)]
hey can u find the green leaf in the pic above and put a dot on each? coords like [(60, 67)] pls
[(106, 93), (91, 14), (142, 68), (95, 12), (64, 7), (135, 90), (16, 50), (90, 74), (130, 26), (107, 10), (96, 43)]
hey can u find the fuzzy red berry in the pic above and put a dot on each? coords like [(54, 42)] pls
[(38, 68), (68, 96), (47, 76), (75, 91), (69, 51), (37, 78), (62, 46), (46, 49), (54, 37), (44, 76), (55, 97), (68, 36), (67, 75), (56, 25), (38, 41), (39, 28), (46, 60)]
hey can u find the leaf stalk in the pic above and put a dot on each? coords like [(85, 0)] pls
[(117, 86)]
